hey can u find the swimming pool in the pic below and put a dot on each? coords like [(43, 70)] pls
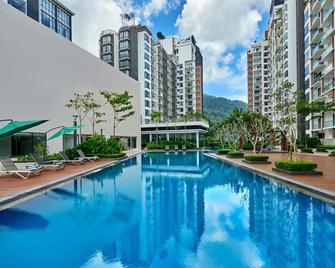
[(169, 210)]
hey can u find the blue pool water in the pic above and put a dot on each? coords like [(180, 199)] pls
[(175, 210)]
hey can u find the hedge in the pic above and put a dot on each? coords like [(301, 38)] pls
[(256, 158), (295, 165), (161, 145), (322, 150), (234, 154), (307, 150), (332, 153), (223, 151)]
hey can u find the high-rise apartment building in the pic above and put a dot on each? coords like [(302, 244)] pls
[(51, 13), (170, 73), (134, 51), (319, 34), (277, 58), (258, 78)]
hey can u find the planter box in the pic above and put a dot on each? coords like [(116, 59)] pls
[(256, 162), (313, 173)]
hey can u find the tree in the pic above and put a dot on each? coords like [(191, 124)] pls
[(156, 117), (81, 103), (257, 129), (229, 130), (284, 113), (121, 105), (95, 117)]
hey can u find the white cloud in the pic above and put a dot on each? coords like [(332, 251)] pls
[(219, 26)]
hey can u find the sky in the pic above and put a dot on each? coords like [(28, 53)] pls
[(223, 29)]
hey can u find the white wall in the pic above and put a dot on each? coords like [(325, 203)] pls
[(40, 71)]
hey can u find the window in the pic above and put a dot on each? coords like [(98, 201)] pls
[(147, 66), (147, 75), (107, 57), (124, 64), (147, 113), (64, 31), (18, 4), (147, 103), (147, 48), (147, 84), (49, 7), (107, 39), (124, 34), (106, 48), (124, 44), (147, 94), (147, 56), (63, 17), (124, 54), (146, 38), (307, 70), (48, 21)]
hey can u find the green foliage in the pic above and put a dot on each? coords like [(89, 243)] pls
[(71, 153), (235, 154), (100, 145), (327, 147), (55, 156), (256, 158), (321, 150), (217, 108), (24, 158), (332, 153), (300, 165), (41, 148), (223, 151), (312, 142), (160, 145), (248, 146), (307, 150), (121, 106), (156, 116)]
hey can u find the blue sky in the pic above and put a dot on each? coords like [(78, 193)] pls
[(224, 29)]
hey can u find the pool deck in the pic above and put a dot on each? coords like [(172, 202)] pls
[(322, 187), (13, 188)]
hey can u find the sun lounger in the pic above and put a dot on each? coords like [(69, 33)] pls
[(167, 147), (10, 168), (184, 147), (52, 165), (67, 160), (82, 156), (176, 147)]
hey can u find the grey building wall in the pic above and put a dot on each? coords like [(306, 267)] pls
[(37, 82)]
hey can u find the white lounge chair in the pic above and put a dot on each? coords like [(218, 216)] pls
[(10, 168), (88, 158)]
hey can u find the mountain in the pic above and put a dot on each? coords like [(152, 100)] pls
[(216, 108)]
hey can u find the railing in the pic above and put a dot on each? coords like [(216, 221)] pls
[(328, 12), (325, 53), (328, 86), (326, 33), (317, 32), (327, 69)]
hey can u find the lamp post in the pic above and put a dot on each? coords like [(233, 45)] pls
[(75, 132)]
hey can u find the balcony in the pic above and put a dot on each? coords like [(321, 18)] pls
[(327, 87), (316, 80), (316, 6), (316, 19), (318, 66), (327, 70), (317, 50), (326, 52)]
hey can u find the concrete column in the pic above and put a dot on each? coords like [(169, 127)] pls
[(150, 137), (198, 142), (168, 136)]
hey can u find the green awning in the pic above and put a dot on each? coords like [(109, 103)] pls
[(63, 131), (18, 126)]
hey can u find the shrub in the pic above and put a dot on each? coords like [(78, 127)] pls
[(312, 142), (295, 165), (332, 153), (24, 158), (256, 158), (100, 145), (55, 156), (71, 153), (248, 146), (234, 154), (307, 150), (321, 150), (327, 147), (160, 145), (223, 151)]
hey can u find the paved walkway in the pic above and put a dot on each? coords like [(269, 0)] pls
[(325, 163)]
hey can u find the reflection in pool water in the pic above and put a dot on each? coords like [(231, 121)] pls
[(169, 210)]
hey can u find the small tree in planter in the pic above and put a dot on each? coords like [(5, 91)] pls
[(257, 129), (156, 117)]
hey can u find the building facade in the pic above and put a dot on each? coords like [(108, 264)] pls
[(41, 90), (51, 13), (319, 34), (170, 73)]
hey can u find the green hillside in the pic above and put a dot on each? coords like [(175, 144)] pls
[(216, 108)]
